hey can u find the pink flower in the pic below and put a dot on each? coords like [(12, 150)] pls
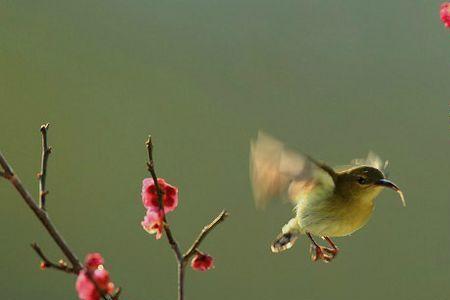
[(93, 261), (153, 223), (202, 262), (86, 289), (150, 195), (84, 286), (445, 13)]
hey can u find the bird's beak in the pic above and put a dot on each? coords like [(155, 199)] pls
[(389, 184)]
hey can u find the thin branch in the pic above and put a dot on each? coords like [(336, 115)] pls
[(172, 242), (46, 150), (8, 172), (41, 215), (207, 229), (151, 168), (61, 265), (182, 260), (181, 272)]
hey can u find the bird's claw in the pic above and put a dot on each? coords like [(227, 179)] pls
[(323, 253)]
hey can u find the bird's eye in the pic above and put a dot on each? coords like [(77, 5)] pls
[(362, 180)]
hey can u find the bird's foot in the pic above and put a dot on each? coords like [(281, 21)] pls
[(323, 253)]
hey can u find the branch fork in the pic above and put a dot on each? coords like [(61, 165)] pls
[(39, 209), (182, 259), (46, 263)]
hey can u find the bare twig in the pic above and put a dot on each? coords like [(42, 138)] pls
[(207, 229), (182, 260), (61, 265), (46, 150), (41, 215), (6, 167)]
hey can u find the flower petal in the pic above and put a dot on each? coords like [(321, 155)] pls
[(202, 262), (153, 223)]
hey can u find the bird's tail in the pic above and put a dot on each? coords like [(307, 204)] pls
[(283, 242)]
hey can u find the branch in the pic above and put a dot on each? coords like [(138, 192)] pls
[(207, 229), (61, 265), (46, 150), (182, 260), (8, 172), (151, 168), (40, 214)]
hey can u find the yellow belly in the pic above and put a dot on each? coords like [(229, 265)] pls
[(334, 217)]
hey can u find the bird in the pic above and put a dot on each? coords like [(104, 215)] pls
[(328, 202)]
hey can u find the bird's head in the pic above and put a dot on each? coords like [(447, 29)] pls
[(365, 182)]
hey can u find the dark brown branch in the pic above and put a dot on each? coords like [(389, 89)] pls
[(8, 170), (46, 150), (151, 168), (207, 229), (41, 215), (61, 265), (194, 249)]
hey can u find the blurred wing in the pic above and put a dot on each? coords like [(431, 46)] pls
[(276, 171)]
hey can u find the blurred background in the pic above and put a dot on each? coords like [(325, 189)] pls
[(331, 78)]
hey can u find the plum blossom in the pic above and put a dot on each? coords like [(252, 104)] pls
[(93, 261), (202, 262), (153, 223), (150, 195), (85, 288), (445, 13)]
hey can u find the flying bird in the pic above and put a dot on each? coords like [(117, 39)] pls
[(329, 202)]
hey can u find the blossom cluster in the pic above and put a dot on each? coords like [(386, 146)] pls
[(153, 221), (93, 271)]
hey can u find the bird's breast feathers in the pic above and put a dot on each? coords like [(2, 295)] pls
[(322, 212)]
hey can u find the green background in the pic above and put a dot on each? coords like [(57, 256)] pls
[(332, 78)]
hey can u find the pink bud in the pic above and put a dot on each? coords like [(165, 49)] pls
[(202, 262)]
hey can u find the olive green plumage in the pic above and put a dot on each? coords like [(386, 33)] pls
[(328, 202)]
